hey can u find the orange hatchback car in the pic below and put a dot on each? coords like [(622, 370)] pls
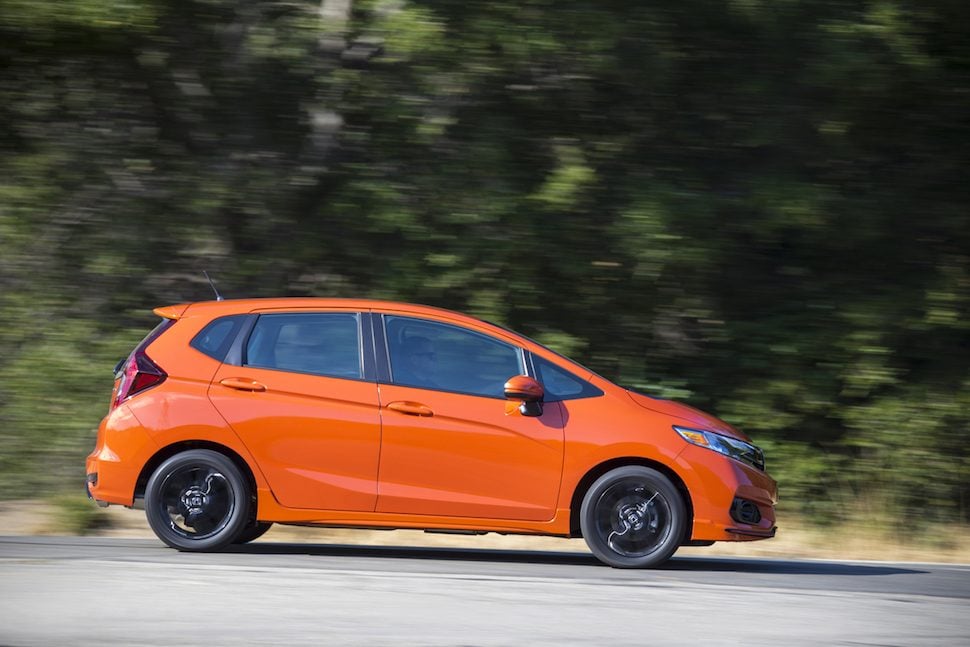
[(234, 415)]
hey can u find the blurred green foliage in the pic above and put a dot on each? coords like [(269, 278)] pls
[(759, 207)]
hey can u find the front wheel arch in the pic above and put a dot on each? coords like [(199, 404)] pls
[(586, 482)]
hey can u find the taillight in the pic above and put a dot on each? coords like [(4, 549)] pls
[(139, 372)]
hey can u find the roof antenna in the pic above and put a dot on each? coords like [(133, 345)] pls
[(212, 285)]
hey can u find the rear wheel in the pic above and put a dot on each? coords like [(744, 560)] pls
[(197, 500), (633, 517)]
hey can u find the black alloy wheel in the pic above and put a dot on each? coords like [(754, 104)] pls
[(197, 500), (633, 517)]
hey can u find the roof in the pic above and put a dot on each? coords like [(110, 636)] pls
[(237, 306)]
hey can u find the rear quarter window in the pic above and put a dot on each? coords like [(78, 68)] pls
[(215, 339)]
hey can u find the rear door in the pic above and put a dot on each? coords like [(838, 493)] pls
[(301, 402)]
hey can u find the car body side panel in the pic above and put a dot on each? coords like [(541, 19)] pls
[(175, 412), (317, 439), (122, 448), (469, 458), (602, 431), (272, 511), (608, 427), (172, 412)]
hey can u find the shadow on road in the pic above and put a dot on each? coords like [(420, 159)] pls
[(783, 567), (683, 564), (411, 552)]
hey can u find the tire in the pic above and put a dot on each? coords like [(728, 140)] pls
[(197, 500), (253, 531), (633, 517)]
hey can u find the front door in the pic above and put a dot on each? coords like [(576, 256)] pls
[(449, 446)]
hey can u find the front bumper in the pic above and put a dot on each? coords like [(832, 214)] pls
[(715, 482)]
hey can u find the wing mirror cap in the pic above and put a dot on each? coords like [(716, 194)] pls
[(524, 389)]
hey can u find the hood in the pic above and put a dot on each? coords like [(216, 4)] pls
[(686, 416)]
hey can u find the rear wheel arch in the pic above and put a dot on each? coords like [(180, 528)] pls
[(586, 482), (167, 452)]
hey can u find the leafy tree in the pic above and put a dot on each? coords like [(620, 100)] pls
[(756, 207)]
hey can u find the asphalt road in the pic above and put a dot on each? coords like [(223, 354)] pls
[(76, 591)]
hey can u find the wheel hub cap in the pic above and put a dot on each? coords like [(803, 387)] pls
[(194, 500), (633, 516)]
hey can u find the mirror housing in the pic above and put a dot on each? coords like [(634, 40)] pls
[(524, 388), (528, 391)]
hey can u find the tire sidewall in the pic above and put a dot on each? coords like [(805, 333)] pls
[(656, 481), (252, 532), (158, 517)]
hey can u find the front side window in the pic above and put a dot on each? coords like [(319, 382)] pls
[(433, 355), (318, 343)]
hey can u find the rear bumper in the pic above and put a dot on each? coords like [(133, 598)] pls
[(92, 479), (113, 466)]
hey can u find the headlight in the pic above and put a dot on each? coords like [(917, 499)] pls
[(730, 447)]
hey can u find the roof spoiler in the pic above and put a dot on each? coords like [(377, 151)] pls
[(172, 312)]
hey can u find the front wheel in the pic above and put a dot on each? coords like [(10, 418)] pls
[(197, 500), (253, 531), (633, 517)]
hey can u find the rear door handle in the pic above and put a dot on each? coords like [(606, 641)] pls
[(242, 384), (411, 408)]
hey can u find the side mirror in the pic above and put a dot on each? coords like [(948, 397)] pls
[(527, 391)]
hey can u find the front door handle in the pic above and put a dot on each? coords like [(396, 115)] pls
[(411, 408), (242, 384)]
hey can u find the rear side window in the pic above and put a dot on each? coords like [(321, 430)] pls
[(317, 343), (215, 339)]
